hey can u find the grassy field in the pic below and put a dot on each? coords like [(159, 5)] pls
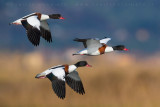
[(115, 80)]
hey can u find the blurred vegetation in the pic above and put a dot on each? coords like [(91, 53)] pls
[(115, 80)]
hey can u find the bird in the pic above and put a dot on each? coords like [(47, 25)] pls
[(60, 74), (96, 46), (36, 26)]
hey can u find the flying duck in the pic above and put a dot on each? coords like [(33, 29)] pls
[(95, 46), (36, 25), (60, 74)]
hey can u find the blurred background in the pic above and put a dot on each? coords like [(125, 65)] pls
[(117, 79)]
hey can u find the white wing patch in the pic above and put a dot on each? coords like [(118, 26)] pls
[(33, 21), (59, 73), (105, 40)]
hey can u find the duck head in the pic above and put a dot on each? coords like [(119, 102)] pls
[(56, 16), (82, 64), (120, 48)]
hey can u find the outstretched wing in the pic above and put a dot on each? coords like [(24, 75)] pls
[(74, 81), (45, 31), (32, 32), (105, 40), (93, 45), (58, 85)]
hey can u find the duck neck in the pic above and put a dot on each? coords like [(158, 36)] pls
[(109, 49), (72, 68), (44, 17)]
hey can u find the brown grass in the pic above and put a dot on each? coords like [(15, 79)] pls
[(115, 80)]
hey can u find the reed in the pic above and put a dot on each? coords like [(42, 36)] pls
[(115, 80)]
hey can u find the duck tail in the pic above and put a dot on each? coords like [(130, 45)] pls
[(75, 54)]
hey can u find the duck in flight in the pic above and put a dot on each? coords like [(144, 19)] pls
[(60, 74), (95, 46), (36, 25)]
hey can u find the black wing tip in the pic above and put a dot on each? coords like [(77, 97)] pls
[(49, 40), (59, 94), (61, 97), (35, 44), (76, 39), (58, 86), (81, 93), (77, 86)]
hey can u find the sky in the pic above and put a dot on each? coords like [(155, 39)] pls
[(134, 24)]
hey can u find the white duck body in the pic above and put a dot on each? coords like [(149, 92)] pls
[(93, 46), (43, 17), (59, 71), (82, 52), (85, 52), (95, 53)]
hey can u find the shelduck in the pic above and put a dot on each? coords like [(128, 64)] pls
[(36, 25), (60, 74), (95, 46)]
